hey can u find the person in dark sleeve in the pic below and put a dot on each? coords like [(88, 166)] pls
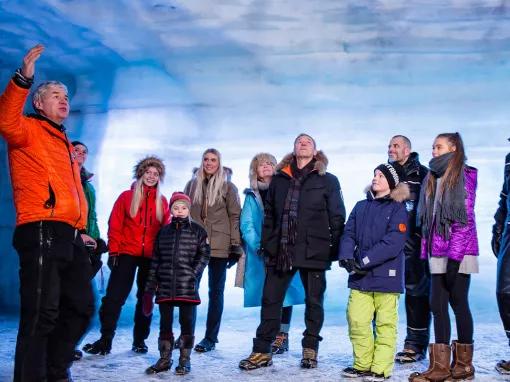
[(501, 249), (417, 275), (303, 220)]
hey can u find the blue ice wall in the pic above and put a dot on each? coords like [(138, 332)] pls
[(173, 78)]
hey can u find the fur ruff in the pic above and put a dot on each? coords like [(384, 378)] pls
[(145, 163), (321, 162), (400, 193)]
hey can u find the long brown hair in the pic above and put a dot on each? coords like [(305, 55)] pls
[(455, 167)]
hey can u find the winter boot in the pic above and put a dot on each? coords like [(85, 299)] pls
[(309, 360), (503, 367), (102, 346), (439, 365), (256, 361), (140, 347), (280, 344), (165, 357), (205, 345), (184, 366), (462, 363)]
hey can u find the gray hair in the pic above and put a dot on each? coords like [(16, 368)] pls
[(42, 88), (406, 140)]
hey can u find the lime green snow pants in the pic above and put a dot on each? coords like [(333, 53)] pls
[(373, 351)]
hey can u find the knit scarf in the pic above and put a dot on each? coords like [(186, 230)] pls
[(449, 205), (290, 216)]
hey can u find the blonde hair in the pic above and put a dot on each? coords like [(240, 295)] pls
[(136, 200), (214, 190), (254, 164)]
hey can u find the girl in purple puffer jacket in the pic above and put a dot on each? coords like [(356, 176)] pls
[(449, 241)]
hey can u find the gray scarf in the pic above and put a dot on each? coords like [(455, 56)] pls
[(450, 205)]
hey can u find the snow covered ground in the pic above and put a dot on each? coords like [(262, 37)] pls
[(235, 342)]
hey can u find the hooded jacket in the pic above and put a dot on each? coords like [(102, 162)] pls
[(181, 252), (135, 236), (463, 238), (320, 219), (374, 237), (45, 178)]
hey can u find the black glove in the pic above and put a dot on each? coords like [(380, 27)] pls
[(113, 261), (234, 254), (496, 240), (101, 247), (452, 269), (352, 267), (348, 264)]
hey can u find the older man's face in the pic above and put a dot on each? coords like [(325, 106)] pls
[(304, 147), (54, 104)]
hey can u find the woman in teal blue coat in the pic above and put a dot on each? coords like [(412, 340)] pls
[(262, 168)]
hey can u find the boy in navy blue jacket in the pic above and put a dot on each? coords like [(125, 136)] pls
[(372, 251)]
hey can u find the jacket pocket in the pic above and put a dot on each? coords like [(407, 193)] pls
[(220, 237), (318, 245)]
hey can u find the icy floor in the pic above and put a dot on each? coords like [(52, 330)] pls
[(236, 336)]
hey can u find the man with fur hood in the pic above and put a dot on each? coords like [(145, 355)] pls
[(304, 218)]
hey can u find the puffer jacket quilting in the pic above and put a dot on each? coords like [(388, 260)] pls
[(181, 252), (463, 238)]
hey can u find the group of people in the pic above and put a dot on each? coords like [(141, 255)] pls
[(414, 232)]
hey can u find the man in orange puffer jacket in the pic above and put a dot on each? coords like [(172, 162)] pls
[(51, 210)]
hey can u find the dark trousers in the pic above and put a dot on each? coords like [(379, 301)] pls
[(275, 287), (440, 297), (117, 291), (56, 299), (217, 271), (418, 313), (187, 319), (286, 315), (503, 288)]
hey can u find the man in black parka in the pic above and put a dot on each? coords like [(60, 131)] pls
[(303, 221), (501, 248), (417, 275)]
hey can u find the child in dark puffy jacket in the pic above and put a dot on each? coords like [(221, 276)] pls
[(372, 251), (181, 252)]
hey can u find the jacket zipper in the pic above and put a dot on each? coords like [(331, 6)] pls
[(176, 251), (145, 223), (74, 178)]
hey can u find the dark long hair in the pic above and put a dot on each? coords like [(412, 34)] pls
[(455, 167)]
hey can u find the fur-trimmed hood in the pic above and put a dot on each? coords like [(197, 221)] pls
[(400, 193), (321, 162), (145, 163)]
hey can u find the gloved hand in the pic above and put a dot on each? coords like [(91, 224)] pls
[(113, 261), (147, 304), (234, 254), (101, 247), (452, 269), (352, 267), (348, 264), (496, 240)]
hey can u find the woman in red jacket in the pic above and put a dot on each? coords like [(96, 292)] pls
[(136, 218)]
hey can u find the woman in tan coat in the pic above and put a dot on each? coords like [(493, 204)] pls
[(216, 206)]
